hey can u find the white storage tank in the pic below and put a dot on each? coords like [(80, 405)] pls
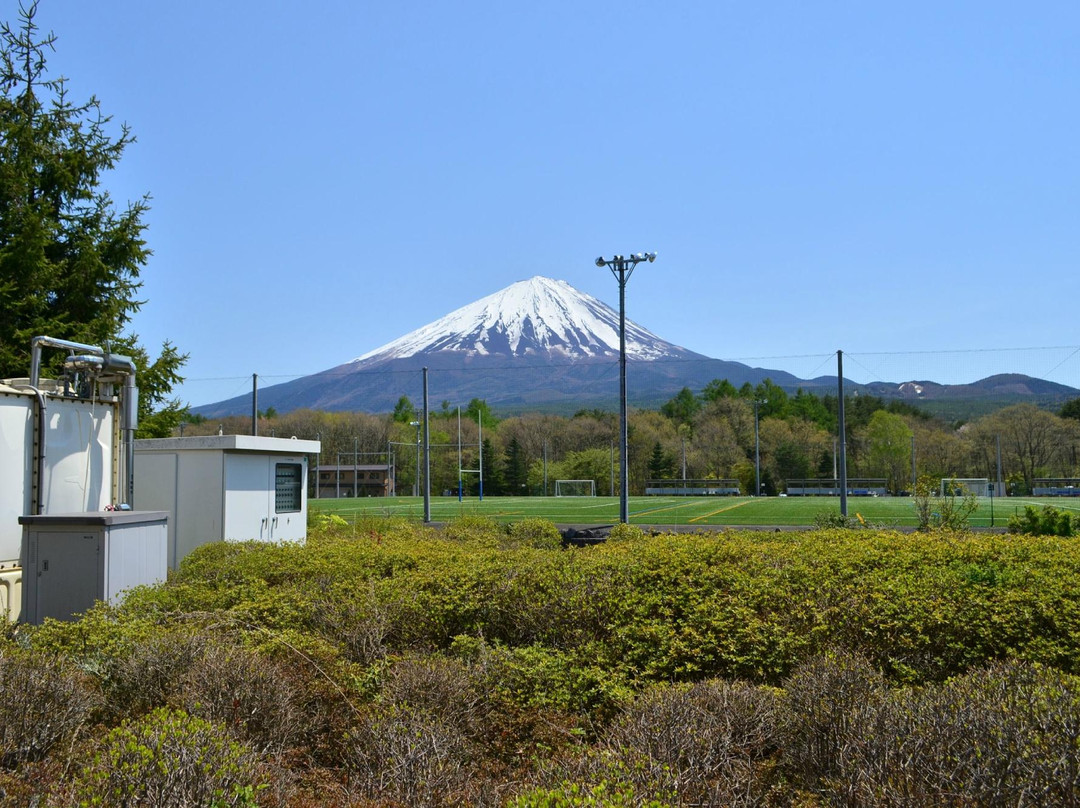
[(58, 454), (225, 487), (73, 559)]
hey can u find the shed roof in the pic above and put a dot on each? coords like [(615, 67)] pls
[(230, 443)]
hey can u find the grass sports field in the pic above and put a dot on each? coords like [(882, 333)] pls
[(703, 511)]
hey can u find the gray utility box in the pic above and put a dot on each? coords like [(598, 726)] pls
[(225, 487), (71, 560)]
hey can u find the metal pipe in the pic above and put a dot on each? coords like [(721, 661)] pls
[(37, 343), (36, 500), (129, 425), (129, 418)]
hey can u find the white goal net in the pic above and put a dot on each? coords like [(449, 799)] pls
[(979, 486), (575, 488)]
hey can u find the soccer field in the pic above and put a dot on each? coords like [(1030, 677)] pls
[(703, 511)]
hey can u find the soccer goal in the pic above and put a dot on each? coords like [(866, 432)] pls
[(575, 488), (979, 486)]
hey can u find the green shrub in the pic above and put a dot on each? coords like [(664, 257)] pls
[(1003, 735), (822, 699), (541, 677), (325, 521), (150, 673), (703, 742), (357, 621), (828, 520), (833, 519), (168, 759), (625, 532), (250, 695), (948, 512), (539, 533), (574, 795), (443, 687), (1048, 521), (405, 755), (44, 702), (475, 530), (98, 638)]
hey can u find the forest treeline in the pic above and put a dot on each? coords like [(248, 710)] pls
[(708, 435)]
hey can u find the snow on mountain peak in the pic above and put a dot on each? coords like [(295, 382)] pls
[(538, 317)]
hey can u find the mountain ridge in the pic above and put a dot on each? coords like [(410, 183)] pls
[(535, 317), (541, 343)]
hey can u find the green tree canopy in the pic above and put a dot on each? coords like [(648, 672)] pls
[(811, 408), (682, 407), (69, 260), (404, 411), (773, 398), (1071, 409), (517, 471), (719, 388), (889, 448), (661, 464), (479, 409)]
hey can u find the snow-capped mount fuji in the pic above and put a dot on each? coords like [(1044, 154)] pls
[(539, 318), (537, 344), (540, 344)]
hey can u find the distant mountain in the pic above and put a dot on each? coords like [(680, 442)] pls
[(538, 344), (538, 318), (1006, 385)]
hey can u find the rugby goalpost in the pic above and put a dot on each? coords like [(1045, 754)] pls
[(575, 488)]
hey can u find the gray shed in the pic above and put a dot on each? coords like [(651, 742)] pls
[(225, 487)]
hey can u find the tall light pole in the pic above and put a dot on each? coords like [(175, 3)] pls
[(757, 449), (622, 267)]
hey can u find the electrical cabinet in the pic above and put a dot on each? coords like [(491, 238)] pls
[(71, 560), (225, 487)]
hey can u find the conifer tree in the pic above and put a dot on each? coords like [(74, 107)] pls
[(70, 262)]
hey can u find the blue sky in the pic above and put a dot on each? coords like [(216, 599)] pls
[(893, 180)]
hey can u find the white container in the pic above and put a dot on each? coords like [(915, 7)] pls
[(72, 560), (11, 576), (79, 471), (225, 487)]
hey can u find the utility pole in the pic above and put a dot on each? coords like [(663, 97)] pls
[(622, 267), (1000, 479), (427, 454), (842, 430), (757, 449)]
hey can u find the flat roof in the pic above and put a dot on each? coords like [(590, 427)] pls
[(230, 443), (94, 518)]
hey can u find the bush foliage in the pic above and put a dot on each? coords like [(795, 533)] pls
[(387, 663), (1047, 521)]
